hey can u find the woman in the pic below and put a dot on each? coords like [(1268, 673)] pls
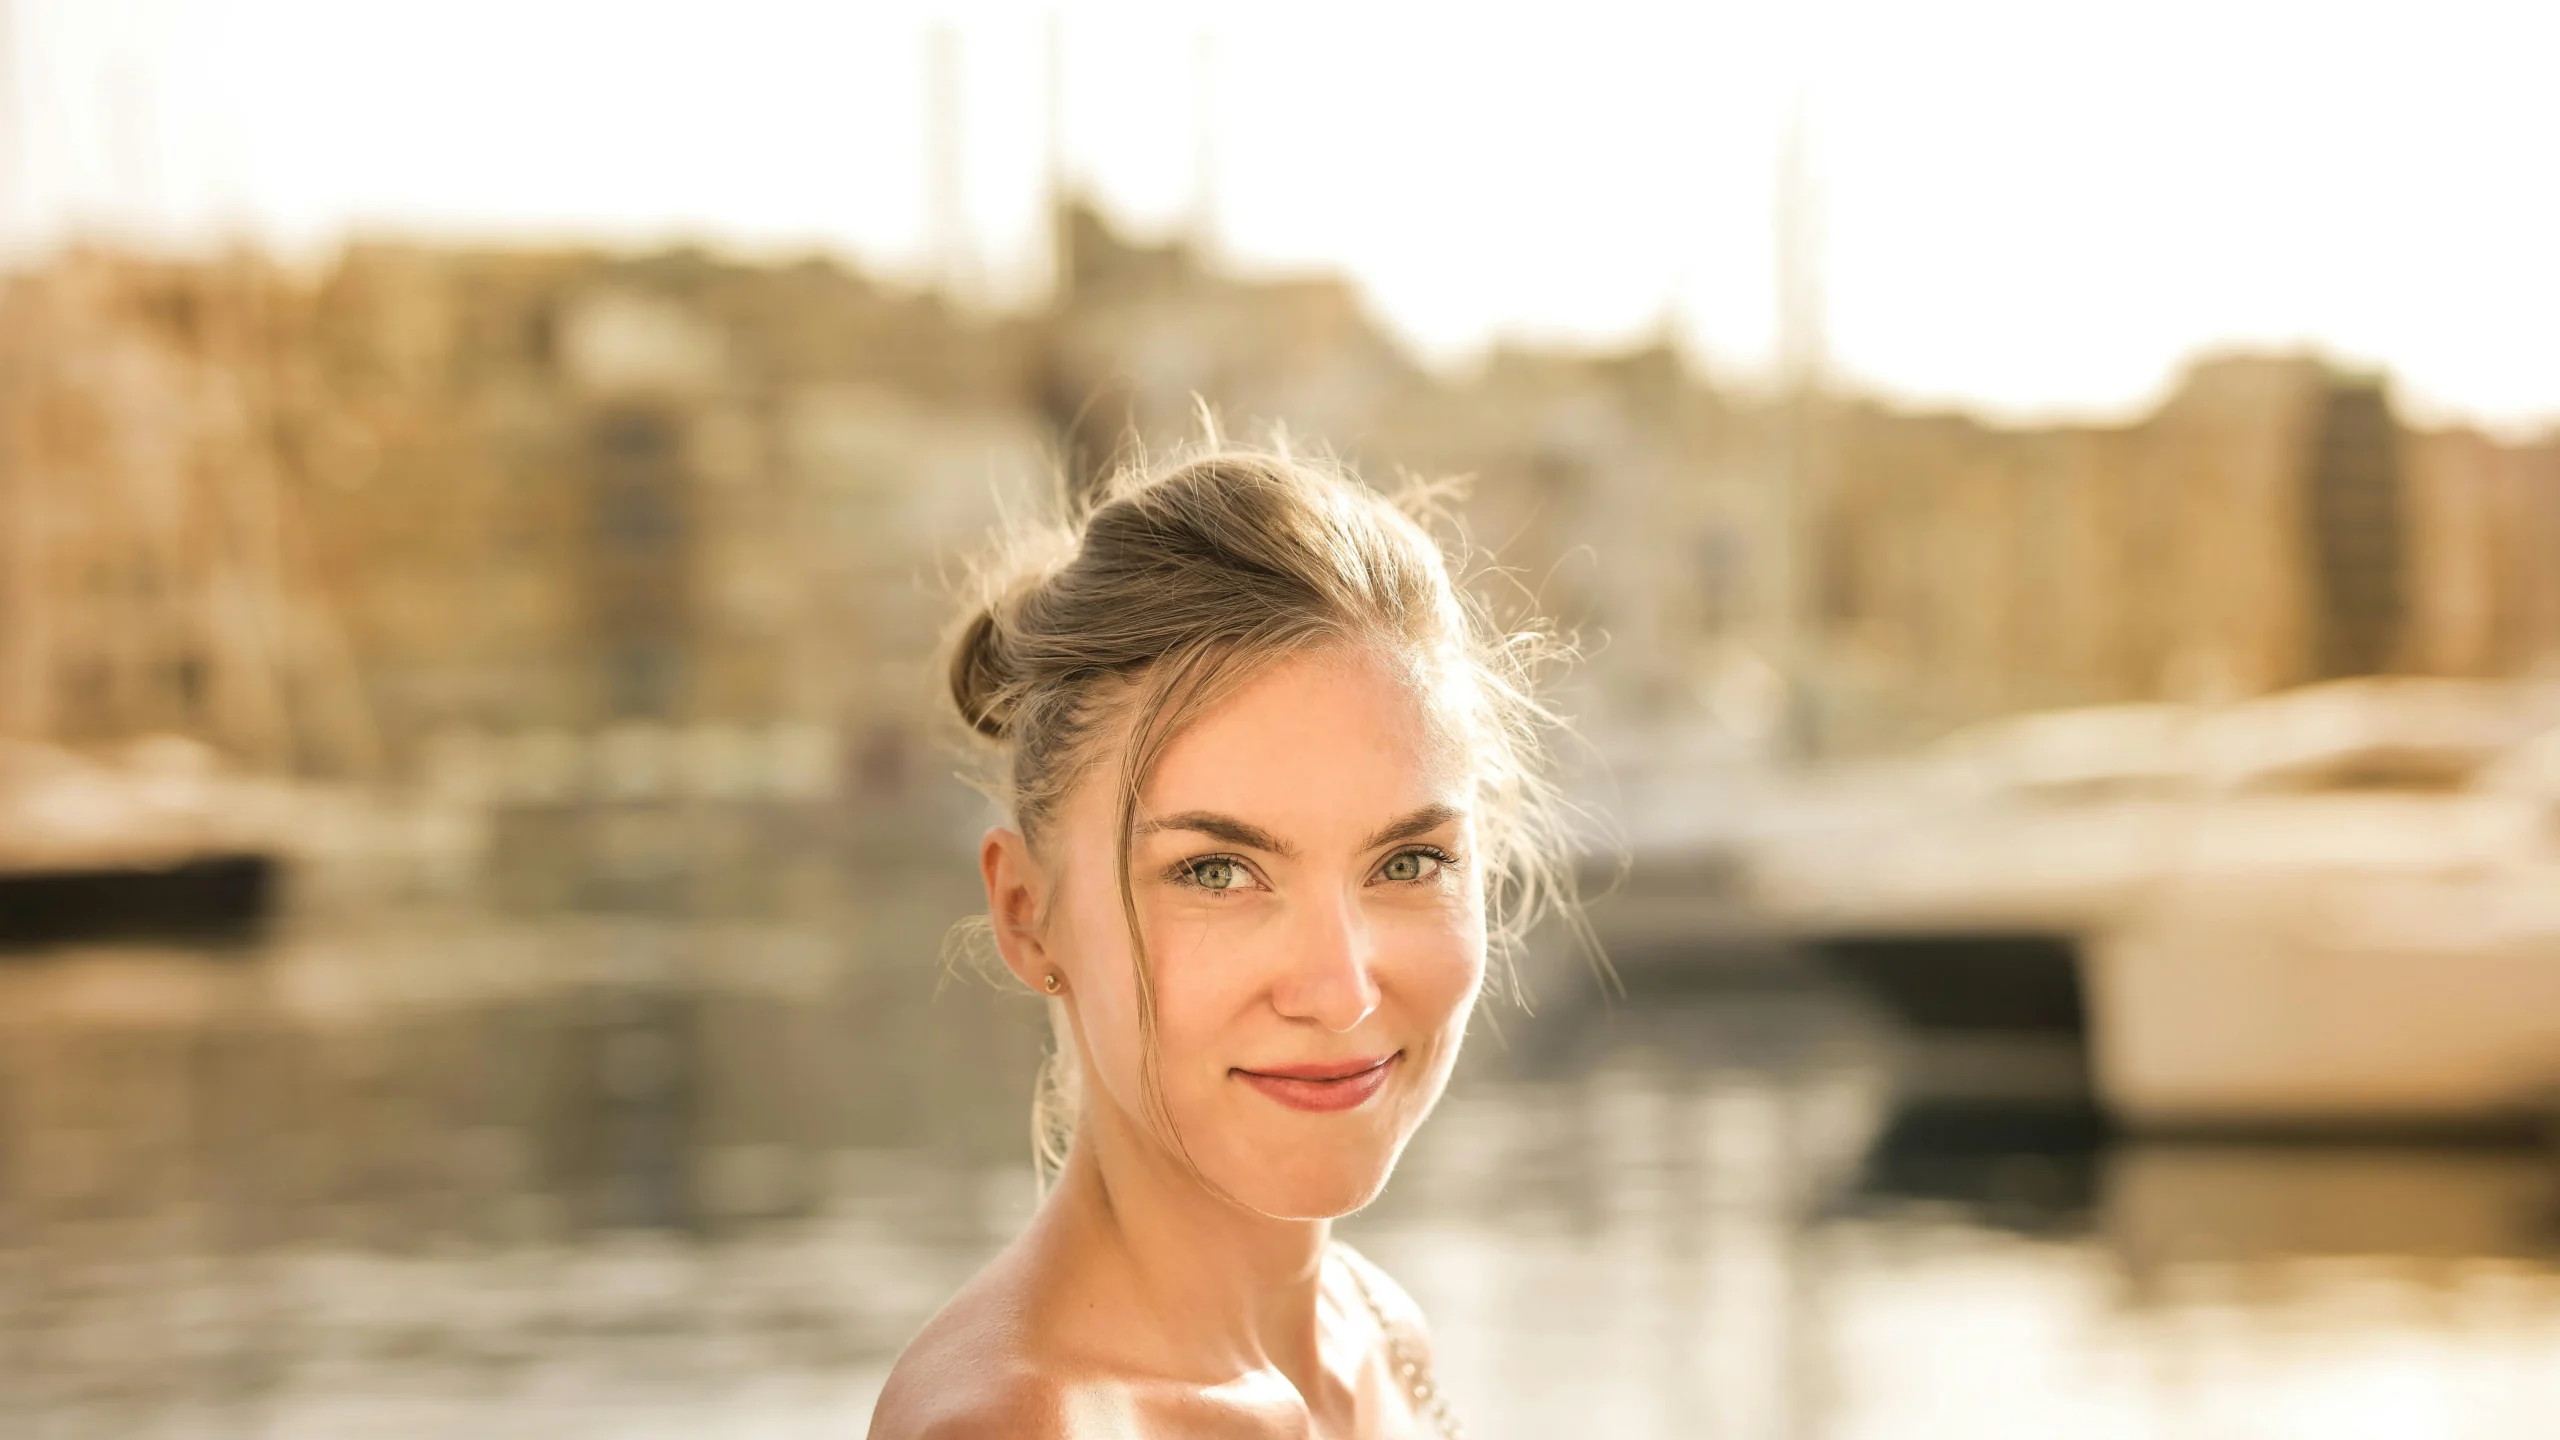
[(1272, 792)]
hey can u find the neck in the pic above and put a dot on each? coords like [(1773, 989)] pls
[(1232, 1291)]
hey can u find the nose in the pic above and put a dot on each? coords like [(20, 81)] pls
[(1328, 976)]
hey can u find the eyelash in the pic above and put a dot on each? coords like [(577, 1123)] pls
[(1447, 860), (1182, 871)]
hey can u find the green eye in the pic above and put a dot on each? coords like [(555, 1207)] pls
[(1409, 866), (1216, 874)]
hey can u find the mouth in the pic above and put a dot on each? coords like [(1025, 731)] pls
[(1323, 1087)]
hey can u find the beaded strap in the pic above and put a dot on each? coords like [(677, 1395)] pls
[(1412, 1367)]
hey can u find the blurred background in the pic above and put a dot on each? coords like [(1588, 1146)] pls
[(2060, 505)]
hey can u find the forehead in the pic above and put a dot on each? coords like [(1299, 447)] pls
[(1331, 741)]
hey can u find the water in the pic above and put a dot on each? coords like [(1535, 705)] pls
[(614, 1174)]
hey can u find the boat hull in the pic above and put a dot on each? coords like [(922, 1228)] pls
[(203, 896), (2332, 1002)]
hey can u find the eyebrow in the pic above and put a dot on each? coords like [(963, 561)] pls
[(1420, 822), (1253, 837), (1223, 827)]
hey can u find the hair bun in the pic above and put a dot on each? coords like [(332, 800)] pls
[(977, 676)]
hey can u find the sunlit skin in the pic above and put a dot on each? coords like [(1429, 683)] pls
[(1306, 881)]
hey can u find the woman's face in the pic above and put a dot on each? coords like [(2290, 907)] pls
[(1305, 871)]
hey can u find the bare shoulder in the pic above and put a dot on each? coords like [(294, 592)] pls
[(1398, 1308), (971, 1372), (1003, 1359), (969, 1381), (972, 1407), (986, 1368)]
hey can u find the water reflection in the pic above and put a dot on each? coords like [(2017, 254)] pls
[(607, 1174)]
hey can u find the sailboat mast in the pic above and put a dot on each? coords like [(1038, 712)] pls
[(23, 628), (1796, 643)]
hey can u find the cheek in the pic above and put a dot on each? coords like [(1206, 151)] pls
[(1438, 962), (1210, 970), (1206, 971)]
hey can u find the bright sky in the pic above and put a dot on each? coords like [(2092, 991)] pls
[(2030, 208)]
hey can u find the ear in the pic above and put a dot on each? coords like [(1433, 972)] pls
[(1017, 892)]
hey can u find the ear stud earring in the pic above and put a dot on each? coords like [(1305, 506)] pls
[(1051, 983)]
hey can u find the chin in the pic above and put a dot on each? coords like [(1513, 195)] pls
[(1317, 1184)]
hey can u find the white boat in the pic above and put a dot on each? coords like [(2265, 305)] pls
[(2333, 997), (2337, 906)]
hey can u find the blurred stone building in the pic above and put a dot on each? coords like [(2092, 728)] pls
[(536, 525), (1830, 573), (158, 570), (663, 489), (2271, 524), (487, 512), (1141, 337), (1616, 491)]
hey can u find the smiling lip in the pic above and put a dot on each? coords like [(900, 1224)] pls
[(1331, 1085)]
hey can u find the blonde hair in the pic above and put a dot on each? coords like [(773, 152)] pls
[(1167, 588)]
